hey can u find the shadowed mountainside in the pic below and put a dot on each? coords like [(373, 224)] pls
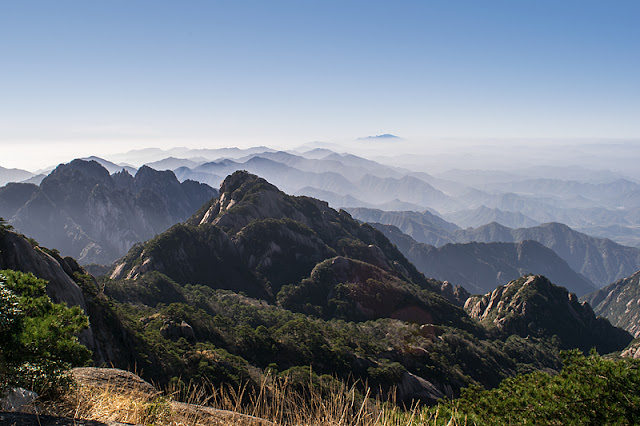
[(620, 303), (481, 267), (83, 211), (600, 260), (534, 306)]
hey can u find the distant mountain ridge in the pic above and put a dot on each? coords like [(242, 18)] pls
[(83, 211), (305, 231), (484, 215), (481, 267), (589, 199), (13, 175), (601, 260)]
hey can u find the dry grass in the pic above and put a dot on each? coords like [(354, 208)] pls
[(275, 402)]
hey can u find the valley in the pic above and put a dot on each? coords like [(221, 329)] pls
[(227, 284)]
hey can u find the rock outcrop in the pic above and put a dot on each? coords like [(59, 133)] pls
[(533, 306), (620, 303), (127, 383), (63, 276), (632, 351), (17, 253)]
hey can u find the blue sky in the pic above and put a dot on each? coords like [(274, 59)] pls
[(98, 75)]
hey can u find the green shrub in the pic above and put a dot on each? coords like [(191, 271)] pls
[(38, 340), (589, 390)]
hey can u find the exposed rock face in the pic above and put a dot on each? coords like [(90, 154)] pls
[(414, 387), (17, 253), (103, 337), (620, 303), (632, 351), (17, 399), (174, 331), (113, 378), (533, 306), (456, 294), (255, 238), (86, 213)]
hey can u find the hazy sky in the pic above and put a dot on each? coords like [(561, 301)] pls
[(100, 76)]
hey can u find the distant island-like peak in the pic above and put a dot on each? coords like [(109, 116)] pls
[(385, 136)]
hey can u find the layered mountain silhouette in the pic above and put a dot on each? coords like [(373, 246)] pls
[(424, 227), (591, 201), (257, 280), (481, 267), (84, 212), (483, 215), (13, 175), (242, 239), (600, 260)]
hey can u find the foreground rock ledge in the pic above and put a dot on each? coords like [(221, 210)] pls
[(129, 382), (24, 419)]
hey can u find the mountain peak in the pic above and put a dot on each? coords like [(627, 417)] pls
[(384, 136), (244, 181), (88, 169), (619, 303), (534, 306)]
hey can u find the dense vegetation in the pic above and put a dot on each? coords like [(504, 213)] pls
[(37, 337), (589, 390), (195, 332)]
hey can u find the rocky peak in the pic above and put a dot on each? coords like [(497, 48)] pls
[(70, 185), (242, 181), (122, 179), (84, 212), (534, 306), (245, 197), (78, 171), (457, 294), (620, 303), (148, 178)]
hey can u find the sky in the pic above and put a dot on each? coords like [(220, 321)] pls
[(94, 77)]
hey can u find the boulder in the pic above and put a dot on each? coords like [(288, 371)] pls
[(17, 399)]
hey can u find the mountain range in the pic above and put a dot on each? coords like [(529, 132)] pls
[(600, 260), (259, 281), (345, 179), (84, 212), (481, 267), (13, 175), (585, 199)]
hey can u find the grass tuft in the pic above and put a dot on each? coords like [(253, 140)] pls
[(275, 402)]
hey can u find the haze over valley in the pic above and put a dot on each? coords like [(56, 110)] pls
[(334, 213)]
